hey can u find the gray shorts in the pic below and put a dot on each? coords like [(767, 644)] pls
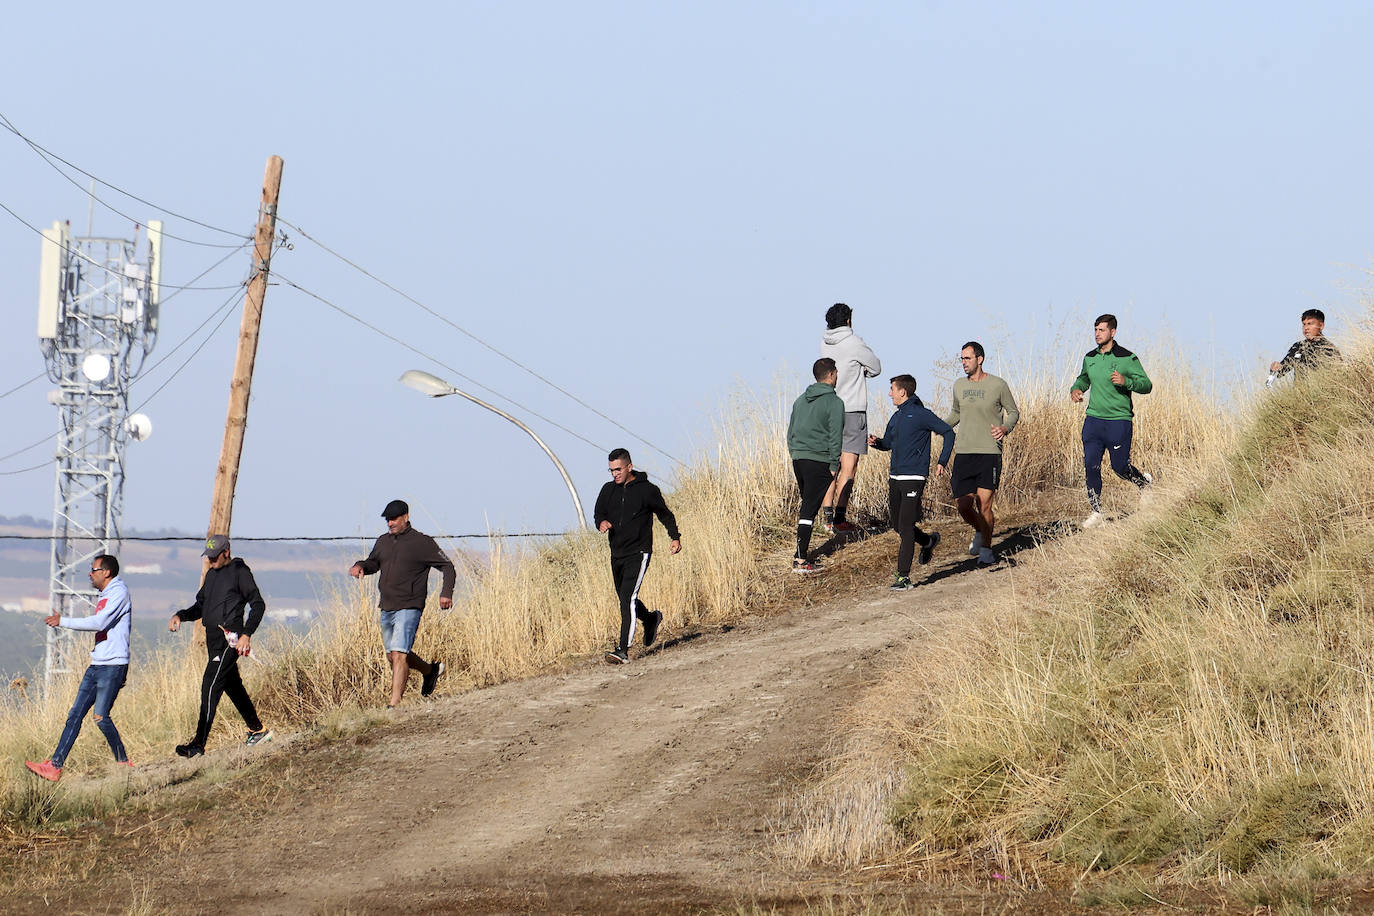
[(855, 438)]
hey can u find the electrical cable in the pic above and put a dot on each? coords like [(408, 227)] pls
[(435, 360), (36, 467), (507, 357), (23, 385), (47, 155)]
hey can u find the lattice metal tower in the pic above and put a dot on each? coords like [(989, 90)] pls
[(97, 322)]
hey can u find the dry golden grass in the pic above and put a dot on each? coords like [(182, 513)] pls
[(1190, 690), (532, 609)]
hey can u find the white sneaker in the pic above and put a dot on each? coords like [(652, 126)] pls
[(976, 544), (1092, 521), (986, 557)]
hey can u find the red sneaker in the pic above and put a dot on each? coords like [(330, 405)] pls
[(45, 770), (845, 527)]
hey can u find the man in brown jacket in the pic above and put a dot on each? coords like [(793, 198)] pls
[(404, 557)]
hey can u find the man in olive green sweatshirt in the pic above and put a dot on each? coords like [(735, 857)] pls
[(814, 435), (1113, 373), (984, 405)]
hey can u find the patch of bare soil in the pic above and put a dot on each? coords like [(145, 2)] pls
[(650, 787)]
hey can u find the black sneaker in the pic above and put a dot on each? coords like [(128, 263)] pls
[(929, 550), (189, 750), (651, 628), (427, 682), (258, 737), (901, 584), (618, 657)]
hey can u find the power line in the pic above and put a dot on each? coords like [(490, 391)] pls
[(508, 358), (435, 360), (36, 467), (23, 385), (48, 155)]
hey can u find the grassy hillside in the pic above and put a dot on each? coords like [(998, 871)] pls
[(1189, 692), (528, 611)]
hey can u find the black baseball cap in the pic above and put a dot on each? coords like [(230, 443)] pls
[(395, 509)]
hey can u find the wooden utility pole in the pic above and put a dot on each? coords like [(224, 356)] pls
[(227, 474)]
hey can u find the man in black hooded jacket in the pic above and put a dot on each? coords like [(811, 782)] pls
[(227, 591), (625, 508)]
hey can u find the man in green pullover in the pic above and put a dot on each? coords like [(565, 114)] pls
[(1113, 373), (814, 435)]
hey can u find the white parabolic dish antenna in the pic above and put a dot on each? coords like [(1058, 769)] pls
[(96, 367), (139, 427)]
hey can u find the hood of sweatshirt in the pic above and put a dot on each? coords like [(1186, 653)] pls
[(817, 390), (835, 335)]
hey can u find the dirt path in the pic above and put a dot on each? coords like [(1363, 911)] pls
[(644, 788)]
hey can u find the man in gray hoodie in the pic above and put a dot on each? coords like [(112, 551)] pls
[(856, 364)]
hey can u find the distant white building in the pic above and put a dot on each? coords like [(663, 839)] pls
[(147, 569)]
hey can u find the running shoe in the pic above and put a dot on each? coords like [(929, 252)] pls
[(845, 527), (436, 668), (986, 557), (189, 750), (900, 583), (618, 657), (928, 551), (804, 567), (258, 737), (1092, 521), (976, 544), (651, 628), (45, 769)]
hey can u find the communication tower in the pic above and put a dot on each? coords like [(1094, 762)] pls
[(97, 323)]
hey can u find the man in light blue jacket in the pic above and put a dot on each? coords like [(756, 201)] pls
[(109, 668)]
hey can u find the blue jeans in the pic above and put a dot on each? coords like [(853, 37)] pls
[(99, 687), (399, 628)]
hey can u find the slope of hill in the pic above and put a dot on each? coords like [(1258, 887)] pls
[(1187, 694)]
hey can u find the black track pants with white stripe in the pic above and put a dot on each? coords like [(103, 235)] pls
[(222, 678), (628, 575)]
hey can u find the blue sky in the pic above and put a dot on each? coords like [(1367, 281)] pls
[(653, 203)]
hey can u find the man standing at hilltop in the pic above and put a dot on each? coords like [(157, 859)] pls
[(855, 364), (988, 413), (814, 432), (109, 668), (1311, 350), (625, 509), (908, 438), (228, 591), (1113, 374), (404, 558)]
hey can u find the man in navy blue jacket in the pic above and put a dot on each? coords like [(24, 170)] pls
[(908, 438)]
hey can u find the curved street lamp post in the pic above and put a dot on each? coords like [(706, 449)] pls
[(436, 387)]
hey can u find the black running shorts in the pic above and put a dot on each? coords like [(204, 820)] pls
[(975, 472)]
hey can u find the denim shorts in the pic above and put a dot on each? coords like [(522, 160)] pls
[(398, 629)]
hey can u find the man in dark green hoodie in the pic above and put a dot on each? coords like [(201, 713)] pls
[(814, 435), (1112, 373)]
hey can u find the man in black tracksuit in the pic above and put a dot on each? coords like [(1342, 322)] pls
[(227, 591), (626, 507)]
